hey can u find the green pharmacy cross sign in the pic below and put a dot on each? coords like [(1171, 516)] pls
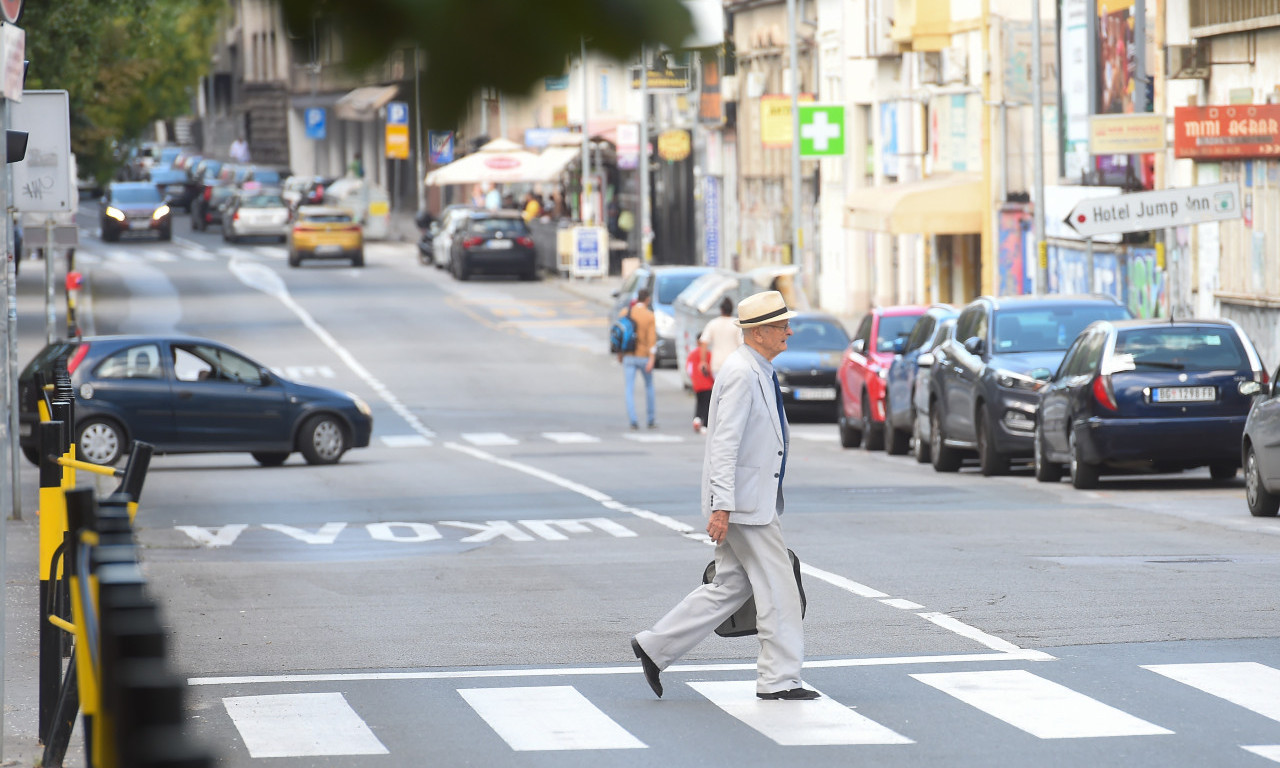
[(821, 130)]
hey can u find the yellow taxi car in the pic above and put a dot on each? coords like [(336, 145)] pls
[(324, 232)]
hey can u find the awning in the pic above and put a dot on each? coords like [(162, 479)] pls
[(498, 162), (552, 162), (943, 204), (364, 103)]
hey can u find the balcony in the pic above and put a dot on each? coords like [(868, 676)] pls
[(1222, 17)]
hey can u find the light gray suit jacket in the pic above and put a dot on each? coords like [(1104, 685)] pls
[(745, 443)]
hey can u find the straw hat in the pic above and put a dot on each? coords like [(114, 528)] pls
[(762, 308)]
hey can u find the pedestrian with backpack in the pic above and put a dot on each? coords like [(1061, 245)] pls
[(638, 355)]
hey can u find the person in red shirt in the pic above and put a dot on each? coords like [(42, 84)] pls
[(698, 366)]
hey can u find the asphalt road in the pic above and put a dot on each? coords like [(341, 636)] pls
[(462, 592)]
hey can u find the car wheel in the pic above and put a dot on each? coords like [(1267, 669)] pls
[(32, 453), (1046, 471), (849, 437), (872, 438), (323, 439), (358, 259), (1262, 503), (270, 458), (991, 461), (944, 457), (896, 441), (460, 270), (1083, 474), (166, 235), (919, 447), (295, 260), (109, 236), (1222, 470), (100, 441)]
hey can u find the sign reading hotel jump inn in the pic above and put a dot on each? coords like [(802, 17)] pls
[(1228, 132)]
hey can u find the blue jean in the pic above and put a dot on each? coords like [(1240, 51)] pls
[(631, 364)]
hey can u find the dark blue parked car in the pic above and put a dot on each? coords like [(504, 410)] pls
[(807, 367), (1147, 395), (189, 395), (899, 399)]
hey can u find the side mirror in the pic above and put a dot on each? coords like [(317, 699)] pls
[(899, 344), (859, 346), (1041, 374), (925, 360), (974, 345), (1254, 388)]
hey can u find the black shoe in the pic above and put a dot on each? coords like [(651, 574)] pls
[(634, 426), (795, 694), (651, 670), (653, 425)]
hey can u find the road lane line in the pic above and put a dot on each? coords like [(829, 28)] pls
[(630, 669), (1269, 751), (489, 438), (1038, 706), (301, 725), (1248, 684), (532, 719), (821, 722), (570, 437), (973, 633)]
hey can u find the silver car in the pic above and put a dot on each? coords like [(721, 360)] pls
[(451, 218), (256, 213)]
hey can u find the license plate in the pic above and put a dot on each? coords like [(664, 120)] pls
[(322, 249), (814, 393), (498, 245), (1183, 395), (140, 224)]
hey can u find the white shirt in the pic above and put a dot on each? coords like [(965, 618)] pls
[(722, 336)]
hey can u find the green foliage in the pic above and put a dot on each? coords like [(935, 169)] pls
[(503, 44), (124, 64)]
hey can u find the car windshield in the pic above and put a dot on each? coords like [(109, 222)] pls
[(489, 226), (1179, 349), (262, 201), (1047, 329), (670, 286), (146, 194), (168, 177), (813, 334), (893, 328), (263, 176)]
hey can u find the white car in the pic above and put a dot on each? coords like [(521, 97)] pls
[(256, 213), (441, 245)]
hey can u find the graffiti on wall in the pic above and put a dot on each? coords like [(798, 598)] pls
[(1069, 272), (1015, 276), (1145, 284)]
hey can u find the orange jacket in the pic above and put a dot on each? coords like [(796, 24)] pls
[(646, 330)]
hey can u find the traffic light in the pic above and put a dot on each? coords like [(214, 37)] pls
[(15, 145)]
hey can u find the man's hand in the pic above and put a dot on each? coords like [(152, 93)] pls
[(718, 526), (648, 367)]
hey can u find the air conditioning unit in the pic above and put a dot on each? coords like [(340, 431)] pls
[(1187, 62)]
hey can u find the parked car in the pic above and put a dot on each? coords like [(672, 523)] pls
[(698, 304), (324, 232), (263, 175), (1260, 448), (256, 213), (452, 217), (899, 399), (986, 382), (1147, 395), (190, 395), (864, 371), (304, 190), (493, 242), (135, 207), (207, 207), (807, 367), (171, 183), (920, 440), (664, 284)]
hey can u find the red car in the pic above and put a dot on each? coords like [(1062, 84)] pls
[(863, 371)]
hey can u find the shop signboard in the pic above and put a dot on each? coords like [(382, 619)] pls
[(1144, 211), (1228, 132), (821, 130), (1126, 134), (628, 151), (775, 119), (590, 252), (711, 220)]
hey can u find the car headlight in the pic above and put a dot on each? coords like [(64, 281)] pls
[(362, 406), (115, 213), (161, 212), (1011, 380), (665, 324)]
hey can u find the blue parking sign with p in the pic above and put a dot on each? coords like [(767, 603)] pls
[(397, 113), (315, 118)]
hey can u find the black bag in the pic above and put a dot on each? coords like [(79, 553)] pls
[(743, 620)]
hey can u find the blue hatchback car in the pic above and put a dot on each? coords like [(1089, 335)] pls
[(1147, 395), (190, 395)]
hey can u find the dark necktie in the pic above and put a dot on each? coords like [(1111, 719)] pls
[(782, 422)]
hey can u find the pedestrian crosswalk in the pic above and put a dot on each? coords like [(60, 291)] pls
[(537, 717), (815, 433), (167, 253)]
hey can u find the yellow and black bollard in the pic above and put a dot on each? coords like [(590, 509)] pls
[(53, 522)]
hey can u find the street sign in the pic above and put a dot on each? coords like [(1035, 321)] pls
[(397, 142), (397, 113), (1142, 211), (11, 10), (315, 123), (821, 130), (42, 182), (590, 252)]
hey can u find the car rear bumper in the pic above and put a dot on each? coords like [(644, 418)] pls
[(1191, 441), (506, 260)]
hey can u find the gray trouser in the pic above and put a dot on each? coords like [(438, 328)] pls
[(752, 558)]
